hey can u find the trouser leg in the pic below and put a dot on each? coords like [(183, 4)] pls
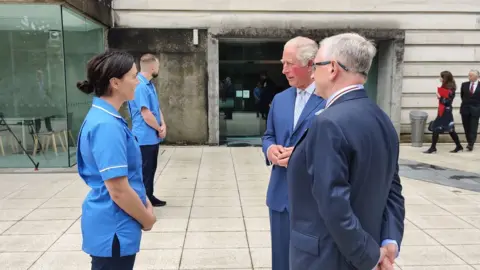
[(280, 237)]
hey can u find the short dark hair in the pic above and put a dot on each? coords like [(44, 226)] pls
[(101, 68)]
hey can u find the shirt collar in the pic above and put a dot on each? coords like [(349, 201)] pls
[(340, 92), (142, 78), (308, 90), (105, 106)]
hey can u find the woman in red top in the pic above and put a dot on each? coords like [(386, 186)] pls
[(444, 121)]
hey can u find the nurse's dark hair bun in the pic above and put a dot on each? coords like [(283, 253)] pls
[(102, 68), (85, 87)]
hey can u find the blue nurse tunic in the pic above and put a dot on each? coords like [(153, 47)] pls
[(107, 149)]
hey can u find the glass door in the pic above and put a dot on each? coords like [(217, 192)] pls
[(244, 67)]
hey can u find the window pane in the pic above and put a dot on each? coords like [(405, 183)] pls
[(83, 39), (32, 96)]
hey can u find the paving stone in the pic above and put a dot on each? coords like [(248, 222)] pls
[(216, 217)]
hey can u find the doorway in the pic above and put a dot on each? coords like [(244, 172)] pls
[(243, 104), (241, 64)]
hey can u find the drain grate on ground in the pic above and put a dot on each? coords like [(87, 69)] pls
[(440, 175), (424, 166), (462, 177), (239, 144)]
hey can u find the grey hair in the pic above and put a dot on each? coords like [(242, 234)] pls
[(352, 50), (306, 48), (475, 71)]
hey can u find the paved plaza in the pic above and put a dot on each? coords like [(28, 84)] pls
[(216, 216)]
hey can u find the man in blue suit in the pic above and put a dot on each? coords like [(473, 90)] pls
[(346, 205), (290, 115)]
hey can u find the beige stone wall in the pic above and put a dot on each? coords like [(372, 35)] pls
[(440, 34), (303, 5), (427, 53)]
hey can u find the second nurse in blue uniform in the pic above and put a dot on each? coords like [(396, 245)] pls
[(109, 161)]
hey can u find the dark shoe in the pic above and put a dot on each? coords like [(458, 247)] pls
[(470, 148), (430, 151), (157, 203), (457, 149)]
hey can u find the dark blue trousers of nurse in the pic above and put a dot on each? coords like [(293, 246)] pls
[(115, 262)]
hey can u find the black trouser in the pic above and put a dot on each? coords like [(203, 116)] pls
[(48, 124), (453, 134), (470, 125), (115, 262), (149, 166)]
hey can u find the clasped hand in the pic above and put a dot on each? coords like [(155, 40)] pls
[(388, 254), (162, 131), (279, 155)]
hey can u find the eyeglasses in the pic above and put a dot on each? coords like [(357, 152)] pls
[(324, 63)]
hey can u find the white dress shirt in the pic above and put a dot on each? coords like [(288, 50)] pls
[(303, 95), (475, 84)]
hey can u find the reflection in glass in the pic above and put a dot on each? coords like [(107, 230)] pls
[(32, 86), (37, 81), (82, 40)]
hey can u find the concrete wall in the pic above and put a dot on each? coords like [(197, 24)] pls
[(182, 81), (439, 34), (100, 10)]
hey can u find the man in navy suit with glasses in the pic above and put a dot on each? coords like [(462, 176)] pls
[(346, 205)]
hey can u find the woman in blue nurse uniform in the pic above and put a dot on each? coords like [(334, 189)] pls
[(109, 160)]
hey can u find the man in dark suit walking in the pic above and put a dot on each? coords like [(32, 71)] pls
[(470, 107), (289, 117), (346, 206)]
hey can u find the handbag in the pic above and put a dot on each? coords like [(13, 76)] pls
[(430, 126)]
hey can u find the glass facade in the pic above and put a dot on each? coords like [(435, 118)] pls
[(44, 51)]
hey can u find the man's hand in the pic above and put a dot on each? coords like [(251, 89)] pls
[(387, 257), (162, 131), (274, 152), (391, 252), (385, 265), (284, 157)]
